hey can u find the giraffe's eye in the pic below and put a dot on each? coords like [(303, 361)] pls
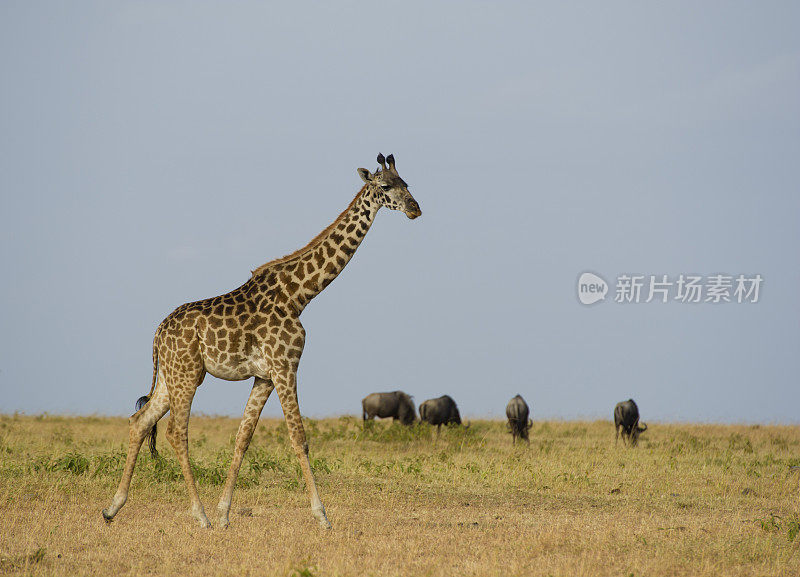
[(385, 187)]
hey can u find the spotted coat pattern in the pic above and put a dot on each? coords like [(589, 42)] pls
[(254, 331)]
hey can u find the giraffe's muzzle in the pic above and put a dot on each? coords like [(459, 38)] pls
[(412, 209)]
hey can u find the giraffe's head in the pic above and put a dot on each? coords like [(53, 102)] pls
[(389, 189)]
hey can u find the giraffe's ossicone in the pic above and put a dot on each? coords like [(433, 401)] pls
[(254, 331)]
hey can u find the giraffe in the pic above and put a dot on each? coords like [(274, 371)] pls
[(254, 331)]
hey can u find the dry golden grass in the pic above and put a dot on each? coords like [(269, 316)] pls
[(691, 500)]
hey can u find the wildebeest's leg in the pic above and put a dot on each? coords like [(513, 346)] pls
[(616, 437), (255, 404), (286, 387), (181, 396), (139, 426)]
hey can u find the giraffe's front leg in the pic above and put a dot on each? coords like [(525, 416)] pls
[(286, 386), (255, 404)]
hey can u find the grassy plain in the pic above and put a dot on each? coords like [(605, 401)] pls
[(694, 500)]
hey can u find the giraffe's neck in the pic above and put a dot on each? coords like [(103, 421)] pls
[(304, 274)]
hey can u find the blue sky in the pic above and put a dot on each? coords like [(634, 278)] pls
[(154, 153)]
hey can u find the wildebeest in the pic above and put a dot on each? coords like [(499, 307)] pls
[(396, 404), (518, 422), (441, 411), (626, 415)]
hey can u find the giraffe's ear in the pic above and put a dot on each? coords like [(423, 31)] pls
[(365, 175)]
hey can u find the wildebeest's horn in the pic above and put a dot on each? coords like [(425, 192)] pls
[(468, 425), (643, 427)]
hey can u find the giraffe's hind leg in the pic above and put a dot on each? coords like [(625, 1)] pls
[(262, 388), (181, 396), (139, 424)]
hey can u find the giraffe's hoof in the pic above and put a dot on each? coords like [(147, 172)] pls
[(322, 518), (107, 516), (223, 523), (200, 514), (204, 522)]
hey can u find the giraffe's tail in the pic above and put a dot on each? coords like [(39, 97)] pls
[(151, 435), (143, 400), (155, 359)]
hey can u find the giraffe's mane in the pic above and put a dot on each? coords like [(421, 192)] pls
[(315, 242)]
